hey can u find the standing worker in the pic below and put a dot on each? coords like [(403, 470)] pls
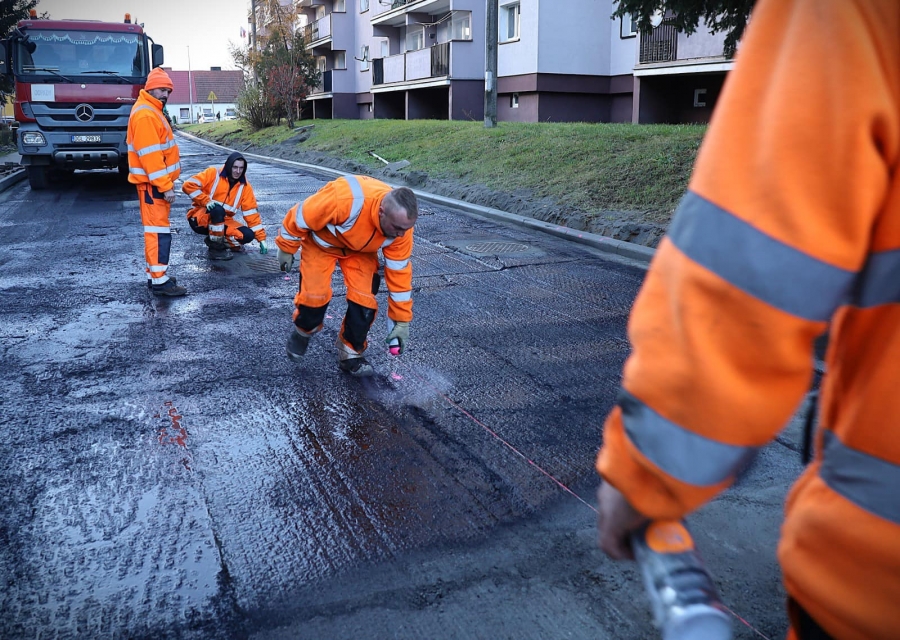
[(153, 165), (218, 195), (347, 221), (791, 225)]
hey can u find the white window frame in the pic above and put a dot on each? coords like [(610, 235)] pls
[(385, 48), (510, 13), (463, 17), (628, 26), (417, 32), (340, 59), (340, 6), (514, 101), (363, 6), (364, 58)]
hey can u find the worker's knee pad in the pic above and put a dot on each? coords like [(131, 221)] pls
[(217, 214), (197, 228), (246, 236), (309, 319), (356, 325)]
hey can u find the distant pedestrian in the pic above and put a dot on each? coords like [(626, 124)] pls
[(790, 226), (154, 165), (347, 222), (218, 115), (219, 194)]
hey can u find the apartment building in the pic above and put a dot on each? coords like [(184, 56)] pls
[(557, 62)]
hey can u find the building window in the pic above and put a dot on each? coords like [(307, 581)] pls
[(321, 64), (340, 59), (415, 38), (339, 6), (461, 26), (509, 22), (363, 6), (514, 101), (699, 97), (184, 113), (385, 48), (364, 58), (628, 27)]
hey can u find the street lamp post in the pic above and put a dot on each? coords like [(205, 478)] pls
[(190, 86)]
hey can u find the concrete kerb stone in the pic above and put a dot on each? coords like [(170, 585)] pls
[(13, 178), (606, 244)]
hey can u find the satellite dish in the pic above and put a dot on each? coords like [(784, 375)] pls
[(657, 18)]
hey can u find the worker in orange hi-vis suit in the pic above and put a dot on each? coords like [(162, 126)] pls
[(219, 194), (791, 225), (347, 221), (153, 165)]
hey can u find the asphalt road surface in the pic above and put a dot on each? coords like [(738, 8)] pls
[(168, 473)]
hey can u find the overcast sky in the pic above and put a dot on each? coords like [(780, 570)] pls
[(206, 26)]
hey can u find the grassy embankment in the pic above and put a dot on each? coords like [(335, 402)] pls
[(593, 167)]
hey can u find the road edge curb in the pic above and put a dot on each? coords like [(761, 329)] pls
[(606, 244), (8, 181)]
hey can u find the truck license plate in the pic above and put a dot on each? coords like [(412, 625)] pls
[(85, 138)]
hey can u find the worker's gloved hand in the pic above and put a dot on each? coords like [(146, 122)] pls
[(400, 332), (210, 205), (263, 249), (285, 260)]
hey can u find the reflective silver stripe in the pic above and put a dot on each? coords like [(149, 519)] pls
[(256, 227), (396, 265), (237, 199), (686, 456), (165, 172), (880, 280), (161, 268), (355, 207), (401, 296), (250, 212), (153, 147), (869, 482), (137, 171), (387, 242), (321, 242), (284, 234), (157, 229), (298, 218), (758, 264)]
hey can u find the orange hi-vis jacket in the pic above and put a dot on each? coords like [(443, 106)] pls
[(152, 152), (342, 217), (237, 199), (791, 226)]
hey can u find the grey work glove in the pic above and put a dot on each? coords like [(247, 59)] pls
[(400, 333), (210, 205), (285, 260), (263, 249)]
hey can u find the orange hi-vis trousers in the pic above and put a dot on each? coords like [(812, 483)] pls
[(157, 233), (360, 277)]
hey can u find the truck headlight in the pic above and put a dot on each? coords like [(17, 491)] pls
[(33, 139)]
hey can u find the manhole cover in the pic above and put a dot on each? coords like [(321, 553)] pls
[(265, 264), (496, 247)]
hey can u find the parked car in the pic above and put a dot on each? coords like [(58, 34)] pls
[(205, 118)]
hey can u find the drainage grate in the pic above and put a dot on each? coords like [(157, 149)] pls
[(496, 247), (263, 263)]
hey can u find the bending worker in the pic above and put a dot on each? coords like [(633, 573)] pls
[(219, 194), (791, 225), (153, 165), (347, 221)]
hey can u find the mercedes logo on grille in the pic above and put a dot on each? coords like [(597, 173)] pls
[(84, 112)]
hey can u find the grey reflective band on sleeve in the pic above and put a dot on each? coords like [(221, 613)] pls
[(396, 265), (321, 242), (868, 482), (401, 296), (880, 280), (250, 212), (758, 264), (355, 207), (686, 456), (387, 242), (298, 218), (165, 172), (137, 171), (256, 227), (284, 234)]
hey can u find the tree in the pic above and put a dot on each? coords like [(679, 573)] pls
[(685, 15), (287, 89), (11, 11)]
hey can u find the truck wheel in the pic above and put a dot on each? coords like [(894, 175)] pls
[(38, 176), (123, 171)]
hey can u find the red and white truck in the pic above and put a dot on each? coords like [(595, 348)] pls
[(75, 84)]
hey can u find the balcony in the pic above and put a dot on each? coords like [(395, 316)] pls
[(424, 64), (324, 84), (319, 30), (659, 44), (395, 15)]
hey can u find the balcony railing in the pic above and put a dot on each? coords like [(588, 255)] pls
[(660, 44), (317, 30), (433, 62)]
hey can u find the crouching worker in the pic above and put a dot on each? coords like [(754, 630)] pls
[(347, 221), (219, 194)]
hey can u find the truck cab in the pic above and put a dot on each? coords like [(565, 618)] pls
[(75, 84)]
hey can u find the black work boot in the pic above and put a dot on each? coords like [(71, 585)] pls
[(296, 345), (217, 250), (168, 289), (358, 367)]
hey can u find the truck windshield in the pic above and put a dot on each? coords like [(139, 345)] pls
[(73, 53)]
